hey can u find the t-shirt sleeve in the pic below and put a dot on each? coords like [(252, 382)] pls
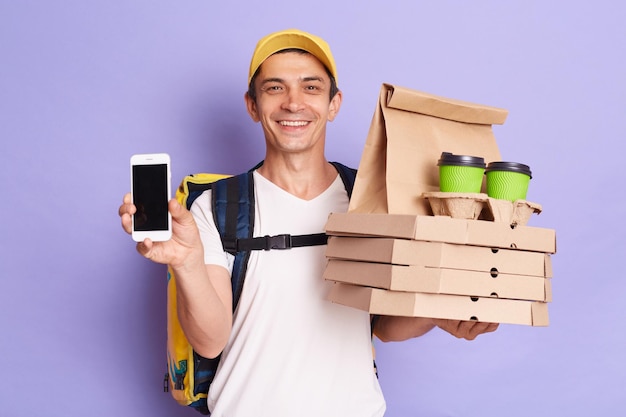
[(214, 253)]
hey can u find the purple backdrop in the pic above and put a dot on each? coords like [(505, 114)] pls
[(83, 85)]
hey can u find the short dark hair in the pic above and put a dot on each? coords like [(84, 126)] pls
[(333, 83)]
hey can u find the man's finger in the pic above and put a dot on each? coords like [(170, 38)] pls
[(465, 329), (477, 328)]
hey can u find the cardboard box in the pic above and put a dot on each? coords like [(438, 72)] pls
[(417, 278), (442, 229), (454, 307), (440, 255)]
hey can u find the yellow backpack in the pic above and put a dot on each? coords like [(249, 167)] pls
[(181, 378)]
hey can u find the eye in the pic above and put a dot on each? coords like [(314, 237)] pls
[(272, 88), (313, 88)]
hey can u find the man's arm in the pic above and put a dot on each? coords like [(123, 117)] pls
[(203, 303), (395, 329), (203, 292)]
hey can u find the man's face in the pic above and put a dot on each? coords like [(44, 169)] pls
[(293, 104)]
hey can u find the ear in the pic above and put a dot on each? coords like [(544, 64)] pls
[(334, 106), (251, 107)]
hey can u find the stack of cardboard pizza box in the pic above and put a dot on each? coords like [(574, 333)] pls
[(406, 249)]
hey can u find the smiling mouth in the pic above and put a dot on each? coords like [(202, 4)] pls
[(293, 123)]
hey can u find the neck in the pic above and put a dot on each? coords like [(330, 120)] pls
[(304, 178)]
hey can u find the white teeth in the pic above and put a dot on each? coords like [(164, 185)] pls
[(294, 123)]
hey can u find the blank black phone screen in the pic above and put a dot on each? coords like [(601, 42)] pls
[(150, 197)]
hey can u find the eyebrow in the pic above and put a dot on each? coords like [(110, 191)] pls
[(280, 80), (313, 78), (272, 80)]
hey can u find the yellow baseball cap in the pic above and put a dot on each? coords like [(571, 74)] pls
[(292, 38)]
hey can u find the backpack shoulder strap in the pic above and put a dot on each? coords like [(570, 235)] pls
[(233, 212), (348, 176)]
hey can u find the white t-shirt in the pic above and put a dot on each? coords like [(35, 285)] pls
[(291, 352)]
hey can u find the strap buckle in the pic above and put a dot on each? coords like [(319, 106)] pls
[(278, 242), (230, 244)]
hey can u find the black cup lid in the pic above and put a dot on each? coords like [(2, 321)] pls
[(448, 158), (509, 166)]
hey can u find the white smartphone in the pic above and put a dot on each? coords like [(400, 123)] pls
[(150, 190)]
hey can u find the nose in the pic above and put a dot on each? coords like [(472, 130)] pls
[(294, 100)]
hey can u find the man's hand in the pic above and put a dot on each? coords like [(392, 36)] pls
[(183, 248), (396, 328), (468, 330)]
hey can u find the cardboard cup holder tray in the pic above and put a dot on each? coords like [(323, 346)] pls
[(474, 206)]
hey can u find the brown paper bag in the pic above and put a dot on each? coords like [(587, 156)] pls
[(408, 132)]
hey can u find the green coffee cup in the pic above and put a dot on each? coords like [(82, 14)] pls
[(507, 180), (460, 173)]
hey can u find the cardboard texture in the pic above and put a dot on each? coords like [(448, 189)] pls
[(457, 205), (481, 206), (454, 307), (418, 278), (515, 213), (440, 255), (409, 130), (443, 229)]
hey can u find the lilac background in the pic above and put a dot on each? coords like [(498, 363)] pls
[(83, 85)]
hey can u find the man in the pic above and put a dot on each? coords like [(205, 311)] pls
[(286, 351)]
